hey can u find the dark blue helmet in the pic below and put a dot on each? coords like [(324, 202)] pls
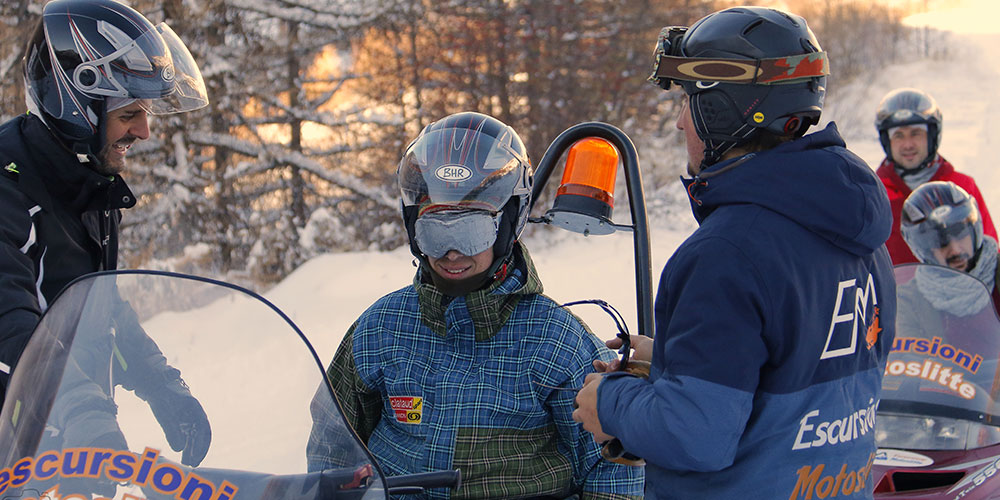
[(84, 52), (745, 69)]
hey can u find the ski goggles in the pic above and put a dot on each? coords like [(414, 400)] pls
[(671, 67), (470, 232)]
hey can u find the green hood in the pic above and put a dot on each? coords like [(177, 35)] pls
[(489, 307)]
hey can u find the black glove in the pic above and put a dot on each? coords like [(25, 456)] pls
[(183, 420), (95, 427), (100, 485)]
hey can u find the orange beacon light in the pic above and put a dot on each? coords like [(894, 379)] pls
[(585, 198)]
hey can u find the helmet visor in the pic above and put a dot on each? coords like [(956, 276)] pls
[(906, 107), (470, 232), (930, 236), (156, 68), (188, 92), (462, 168), (934, 230)]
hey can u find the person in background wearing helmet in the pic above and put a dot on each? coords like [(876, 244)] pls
[(94, 71), (942, 225), (775, 317), (909, 128), (468, 367)]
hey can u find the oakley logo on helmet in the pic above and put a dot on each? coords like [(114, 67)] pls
[(453, 173), (718, 70)]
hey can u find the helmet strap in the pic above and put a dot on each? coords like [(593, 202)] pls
[(85, 155), (717, 109)]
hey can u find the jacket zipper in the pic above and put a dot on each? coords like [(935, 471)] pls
[(105, 237)]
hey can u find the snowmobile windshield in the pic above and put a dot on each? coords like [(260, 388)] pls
[(154, 385), (922, 432), (941, 382)]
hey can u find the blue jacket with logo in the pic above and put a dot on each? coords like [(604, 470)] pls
[(773, 323)]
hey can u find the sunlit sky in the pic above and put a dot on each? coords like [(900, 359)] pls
[(965, 16)]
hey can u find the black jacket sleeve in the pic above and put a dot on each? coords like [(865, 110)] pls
[(19, 306)]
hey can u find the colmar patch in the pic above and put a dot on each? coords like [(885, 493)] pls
[(408, 409)]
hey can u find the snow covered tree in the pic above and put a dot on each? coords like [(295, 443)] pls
[(314, 101)]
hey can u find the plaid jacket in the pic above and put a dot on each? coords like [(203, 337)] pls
[(435, 385)]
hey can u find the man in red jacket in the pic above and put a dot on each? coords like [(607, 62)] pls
[(909, 127)]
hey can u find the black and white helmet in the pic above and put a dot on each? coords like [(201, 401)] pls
[(84, 52), (467, 161), (908, 106)]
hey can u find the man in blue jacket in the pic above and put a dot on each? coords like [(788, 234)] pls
[(774, 319)]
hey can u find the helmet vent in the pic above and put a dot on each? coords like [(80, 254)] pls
[(808, 46), (788, 17), (752, 26)]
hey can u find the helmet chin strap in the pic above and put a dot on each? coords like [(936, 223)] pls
[(716, 144), (82, 149), (85, 155)]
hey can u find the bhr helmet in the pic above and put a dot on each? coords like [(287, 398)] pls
[(907, 106), (84, 52), (745, 69), (470, 165)]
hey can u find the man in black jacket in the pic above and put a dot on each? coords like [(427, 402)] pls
[(94, 70)]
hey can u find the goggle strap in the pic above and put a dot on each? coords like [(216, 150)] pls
[(743, 71)]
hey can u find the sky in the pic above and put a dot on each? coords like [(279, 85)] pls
[(967, 16)]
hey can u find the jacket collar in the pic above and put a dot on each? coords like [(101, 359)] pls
[(55, 174), (887, 171), (850, 210), (489, 308)]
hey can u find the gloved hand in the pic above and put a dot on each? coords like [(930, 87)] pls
[(80, 433), (183, 420), (100, 485)]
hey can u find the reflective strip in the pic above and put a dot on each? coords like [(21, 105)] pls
[(31, 233), (4, 367), (41, 262), (38, 284)]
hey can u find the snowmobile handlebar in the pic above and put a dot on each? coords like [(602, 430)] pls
[(411, 484)]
